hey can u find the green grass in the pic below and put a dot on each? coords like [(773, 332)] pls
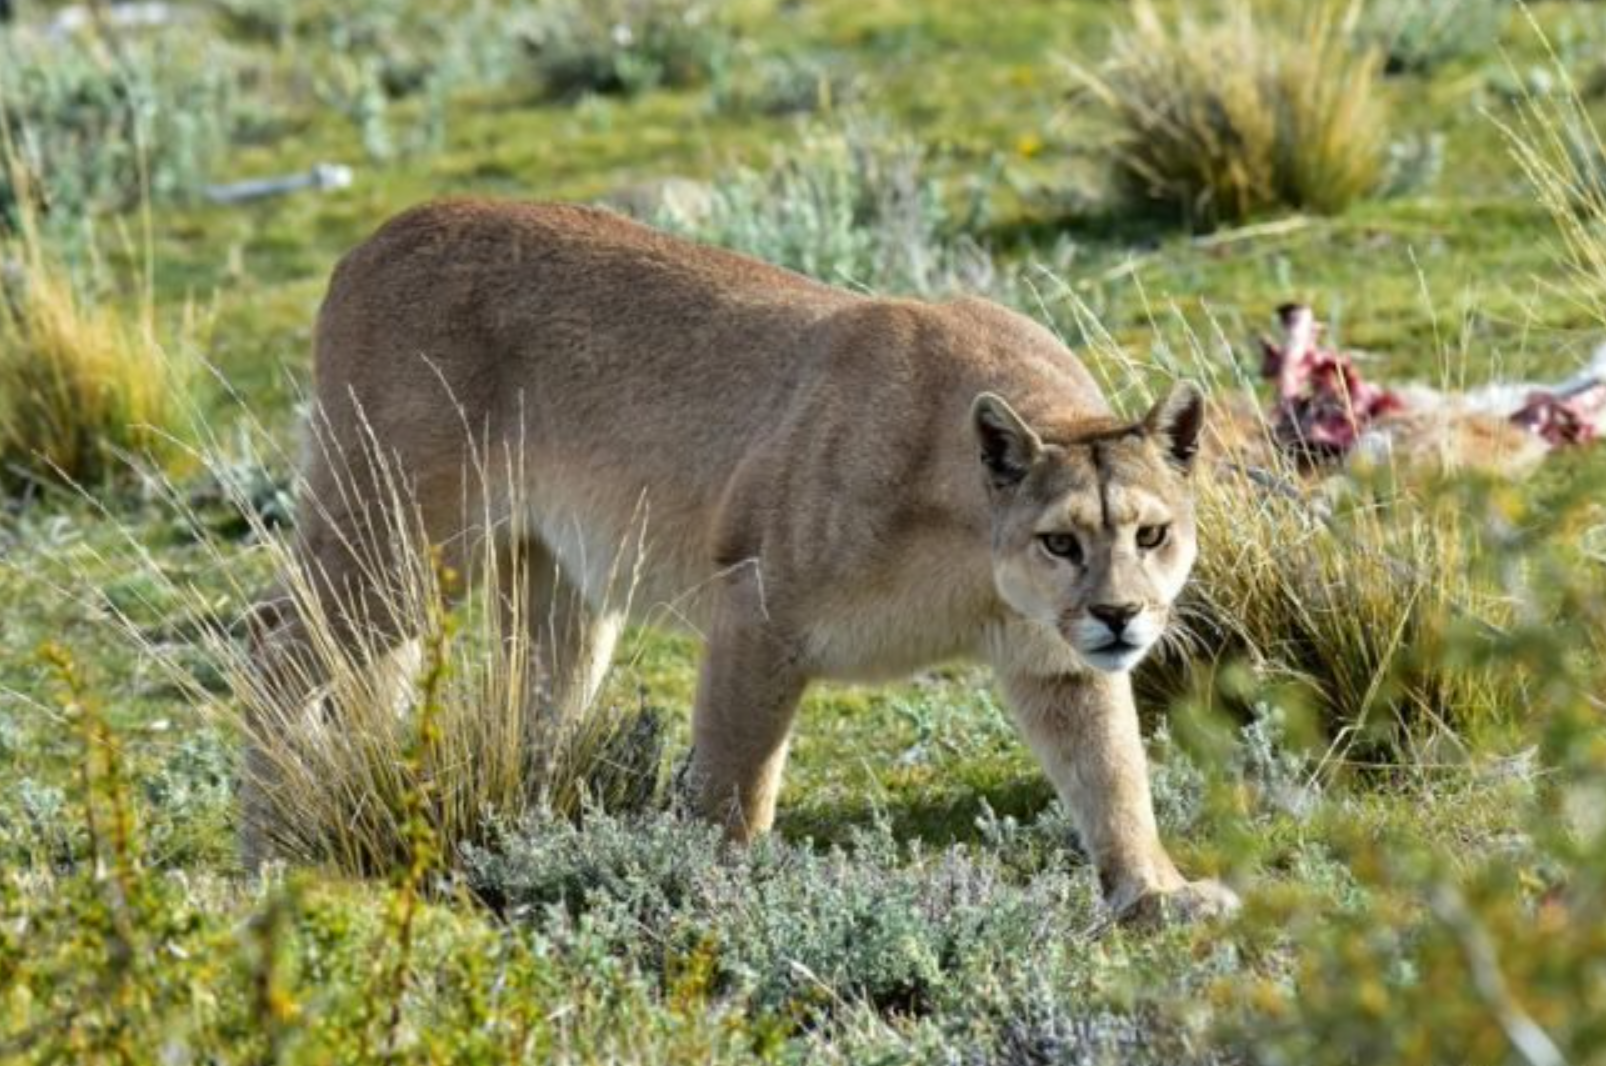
[(1354, 949)]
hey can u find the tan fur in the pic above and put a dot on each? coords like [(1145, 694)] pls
[(799, 465), (1445, 440)]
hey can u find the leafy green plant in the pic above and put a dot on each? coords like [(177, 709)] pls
[(1484, 950), (1240, 110)]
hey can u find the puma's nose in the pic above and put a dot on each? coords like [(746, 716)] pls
[(1115, 615)]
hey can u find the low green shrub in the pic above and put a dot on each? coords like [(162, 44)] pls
[(626, 47), (1416, 36), (409, 44), (361, 59), (871, 950), (791, 932), (89, 128), (790, 83), (851, 207)]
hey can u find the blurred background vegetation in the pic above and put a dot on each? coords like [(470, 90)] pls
[(1384, 725)]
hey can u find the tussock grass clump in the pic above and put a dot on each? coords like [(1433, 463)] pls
[(1561, 153), (369, 752), (1362, 608), (1366, 600), (626, 47), (1241, 111), (430, 749), (84, 385)]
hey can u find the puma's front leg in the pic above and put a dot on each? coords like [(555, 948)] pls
[(747, 697), (1084, 730)]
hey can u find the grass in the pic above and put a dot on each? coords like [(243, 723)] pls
[(365, 752), (85, 386), (1351, 608), (1242, 110), (1397, 758)]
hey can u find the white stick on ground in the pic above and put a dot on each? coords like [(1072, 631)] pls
[(322, 178)]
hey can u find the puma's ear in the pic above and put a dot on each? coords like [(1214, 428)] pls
[(1008, 445), (1176, 422)]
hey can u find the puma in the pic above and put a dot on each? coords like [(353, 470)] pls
[(824, 485)]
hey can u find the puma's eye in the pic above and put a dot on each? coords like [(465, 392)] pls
[(1062, 546), (1151, 537)]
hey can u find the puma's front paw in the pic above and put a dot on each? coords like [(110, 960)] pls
[(1190, 902)]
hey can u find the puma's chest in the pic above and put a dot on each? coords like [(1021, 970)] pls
[(884, 631)]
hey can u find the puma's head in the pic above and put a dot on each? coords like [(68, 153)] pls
[(1093, 534)]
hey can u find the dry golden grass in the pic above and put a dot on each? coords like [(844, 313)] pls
[(1560, 150), (84, 386), (1366, 598), (423, 745), (1356, 606), (1242, 109)]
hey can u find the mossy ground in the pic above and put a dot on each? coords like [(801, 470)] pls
[(1464, 273)]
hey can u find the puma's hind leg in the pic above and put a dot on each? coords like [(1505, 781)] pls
[(335, 630), (331, 624), (569, 643)]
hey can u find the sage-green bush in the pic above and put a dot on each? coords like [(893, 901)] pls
[(851, 207), (1418, 35), (626, 47), (88, 129)]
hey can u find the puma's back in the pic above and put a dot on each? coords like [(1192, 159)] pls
[(732, 409), (560, 320)]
